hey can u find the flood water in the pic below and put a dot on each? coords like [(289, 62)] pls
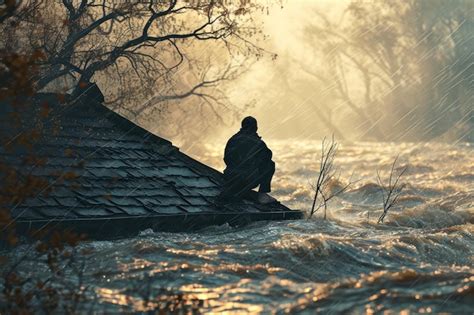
[(419, 261)]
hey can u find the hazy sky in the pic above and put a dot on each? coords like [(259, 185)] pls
[(290, 103), (275, 108)]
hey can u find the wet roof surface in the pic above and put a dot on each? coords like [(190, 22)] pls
[(100, 165)]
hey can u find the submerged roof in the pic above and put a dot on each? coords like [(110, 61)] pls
[(103, 170)]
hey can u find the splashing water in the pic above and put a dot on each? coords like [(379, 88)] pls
[(420, 260)]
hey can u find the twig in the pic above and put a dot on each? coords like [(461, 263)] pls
[(392, 191), (327, 174)]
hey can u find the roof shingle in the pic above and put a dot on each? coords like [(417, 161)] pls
[(100, 165)]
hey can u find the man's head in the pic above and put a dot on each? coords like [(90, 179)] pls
[(249, 124)]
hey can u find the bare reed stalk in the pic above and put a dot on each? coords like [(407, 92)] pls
[(327, 174), (392, 190)]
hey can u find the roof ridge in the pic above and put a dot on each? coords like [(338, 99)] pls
[(162, 145), (123, 122)]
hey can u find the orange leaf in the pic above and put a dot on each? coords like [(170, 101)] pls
[(70, 175), (45, 110), (61, 98), (12, 239)]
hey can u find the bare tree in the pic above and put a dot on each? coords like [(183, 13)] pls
[(156, 51), (369, 58), (392, 190), (44, 42), (327, 175)]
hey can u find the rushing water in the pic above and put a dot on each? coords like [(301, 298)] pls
[(420, 260)]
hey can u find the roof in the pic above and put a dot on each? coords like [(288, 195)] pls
[(108, 176)]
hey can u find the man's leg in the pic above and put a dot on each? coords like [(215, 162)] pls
[(237, 185), (232, 184), (265, 177)]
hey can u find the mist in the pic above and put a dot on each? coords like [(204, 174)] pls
[(356, 195), (376, 71)]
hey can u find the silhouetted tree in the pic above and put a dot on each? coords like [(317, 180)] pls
[(45, 42), (402, 67), (135, 48)]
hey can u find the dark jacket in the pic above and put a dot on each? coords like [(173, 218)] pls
[(245, 152)]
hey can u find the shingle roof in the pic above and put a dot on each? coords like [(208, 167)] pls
[(109, 176)]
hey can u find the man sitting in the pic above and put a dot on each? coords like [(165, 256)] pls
[(249, 164)]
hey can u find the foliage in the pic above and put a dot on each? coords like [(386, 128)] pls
[(57, 289), (60, 47), (145, 54), (22, 124)]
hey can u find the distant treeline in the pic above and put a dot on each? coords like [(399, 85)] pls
[(390, 70)]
